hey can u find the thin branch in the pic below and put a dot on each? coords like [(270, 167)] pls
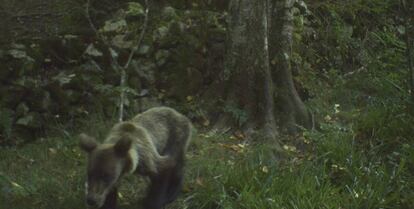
[(114, 62), (141, 36), (125, 67), (122, 99), (88, 16)]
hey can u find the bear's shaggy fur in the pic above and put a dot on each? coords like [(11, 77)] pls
[(152, 144)]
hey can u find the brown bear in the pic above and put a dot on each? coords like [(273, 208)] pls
[(152, 144)]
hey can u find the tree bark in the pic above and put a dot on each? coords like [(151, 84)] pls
[(250, 85), (249, 76), (291, 111)]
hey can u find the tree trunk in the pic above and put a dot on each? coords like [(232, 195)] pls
[(290, 109), (248, 75), (249, 87)]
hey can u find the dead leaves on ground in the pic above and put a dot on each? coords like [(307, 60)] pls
[(237, 143), (191, 186), (238, 148)]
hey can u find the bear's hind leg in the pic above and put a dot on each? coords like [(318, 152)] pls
[(157, 191), (175, 183)]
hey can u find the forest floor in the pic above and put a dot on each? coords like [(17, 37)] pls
[(317, 171)]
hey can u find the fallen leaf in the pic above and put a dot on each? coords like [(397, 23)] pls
[(234, 147), (265, 169), (186, 188), (239, 135), (199, 181), (206, 122), (289, 148), (336, 108), (53, 151), (16, 185)]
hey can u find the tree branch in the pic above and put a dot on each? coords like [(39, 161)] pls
[(114, 62), (125, 67), (88, 17), (141, 36)]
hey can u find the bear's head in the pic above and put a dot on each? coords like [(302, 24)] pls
[(106, 164)]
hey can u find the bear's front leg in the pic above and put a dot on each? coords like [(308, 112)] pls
[(111, 199)]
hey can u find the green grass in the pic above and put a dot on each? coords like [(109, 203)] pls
[(334, 172)]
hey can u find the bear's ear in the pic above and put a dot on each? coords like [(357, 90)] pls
[(122, 146), (87, 143)]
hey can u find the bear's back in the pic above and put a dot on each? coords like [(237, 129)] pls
[(165, 126)]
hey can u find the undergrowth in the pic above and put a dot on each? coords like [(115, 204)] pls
[(330, 168)]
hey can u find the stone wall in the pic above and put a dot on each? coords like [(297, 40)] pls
[(37, 19)]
